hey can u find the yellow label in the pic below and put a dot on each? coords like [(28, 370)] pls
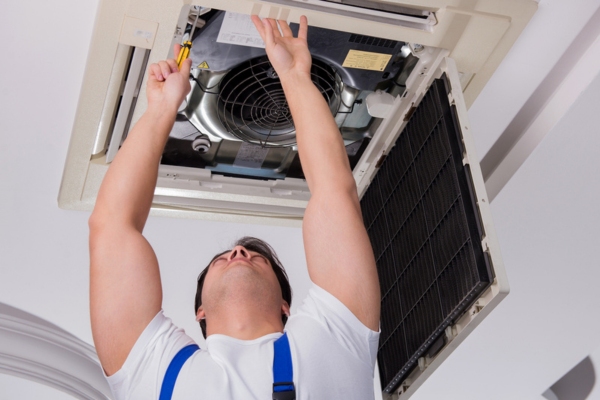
[(204, 65), (366, 60)]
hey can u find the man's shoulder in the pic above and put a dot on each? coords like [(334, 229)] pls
[(324, 324), (151, 354)]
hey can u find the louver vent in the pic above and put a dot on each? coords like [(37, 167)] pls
[(253, 107), (372, 41), (426, 234)]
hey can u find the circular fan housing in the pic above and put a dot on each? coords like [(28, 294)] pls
[(252, 105)]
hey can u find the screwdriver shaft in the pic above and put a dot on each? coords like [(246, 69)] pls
[(186, 47)]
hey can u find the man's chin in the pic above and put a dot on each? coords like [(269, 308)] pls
[(242, 274), (239, 268), (243, 280)]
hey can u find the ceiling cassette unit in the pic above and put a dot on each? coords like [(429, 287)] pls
[(398, 78)]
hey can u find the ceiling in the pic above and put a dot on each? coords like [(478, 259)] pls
[(546, 214)]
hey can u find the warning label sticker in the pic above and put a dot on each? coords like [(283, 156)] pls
[(250, 156), (366, 60), (203, 65)]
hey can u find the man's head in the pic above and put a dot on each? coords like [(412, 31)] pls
[(250, 269)]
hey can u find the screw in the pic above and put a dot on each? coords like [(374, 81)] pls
[(417, 48)]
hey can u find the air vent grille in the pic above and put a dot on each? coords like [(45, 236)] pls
[(422, 220), (252, 105), (372, 41)]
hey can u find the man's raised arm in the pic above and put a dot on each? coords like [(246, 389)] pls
[(125, 288), (338, 252)]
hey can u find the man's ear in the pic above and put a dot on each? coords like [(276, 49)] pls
[(285, 308), (200, 314)]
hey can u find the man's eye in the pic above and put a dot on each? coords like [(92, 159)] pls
[(219, 260), (261, 258)]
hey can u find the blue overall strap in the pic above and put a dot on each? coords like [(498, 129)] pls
[(166, 390), (283, 372)]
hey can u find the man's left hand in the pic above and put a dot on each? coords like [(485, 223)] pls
[(167, 84)]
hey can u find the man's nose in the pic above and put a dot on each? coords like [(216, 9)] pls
[(239, 251)]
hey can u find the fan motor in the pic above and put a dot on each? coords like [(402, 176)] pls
[(252, 104)]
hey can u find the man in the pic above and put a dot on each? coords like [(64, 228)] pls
[(333, 337)]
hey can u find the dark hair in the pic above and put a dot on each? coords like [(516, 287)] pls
[(262, 248)]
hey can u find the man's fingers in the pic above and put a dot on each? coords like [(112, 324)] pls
[(160, 71), (186, 66), (303, 31), (165, 69), (274, 27), (259, 26), (173, 65), (156, 73), (176, 50), (285, 28), (268, 28)]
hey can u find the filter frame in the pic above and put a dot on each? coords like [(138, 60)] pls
[(408, 236)]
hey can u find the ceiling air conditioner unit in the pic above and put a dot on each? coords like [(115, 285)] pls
[(398, 78)]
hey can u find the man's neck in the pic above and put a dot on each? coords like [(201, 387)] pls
[(245, 323)]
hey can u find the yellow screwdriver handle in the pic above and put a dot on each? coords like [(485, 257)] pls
[(184, 53)]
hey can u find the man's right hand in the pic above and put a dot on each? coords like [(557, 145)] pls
[(287, 53), (167, 84)]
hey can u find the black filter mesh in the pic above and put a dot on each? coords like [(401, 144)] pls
[(423, 222)]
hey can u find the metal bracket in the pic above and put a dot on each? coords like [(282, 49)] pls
[(451, 99), (477, 307)]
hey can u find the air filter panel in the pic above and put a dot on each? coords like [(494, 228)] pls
[(423, 221)]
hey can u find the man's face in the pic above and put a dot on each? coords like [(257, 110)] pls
[(240, 275)]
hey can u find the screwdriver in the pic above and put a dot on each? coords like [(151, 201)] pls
[(184, 53)]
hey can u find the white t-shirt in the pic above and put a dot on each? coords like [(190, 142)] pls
[(333, 357)]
